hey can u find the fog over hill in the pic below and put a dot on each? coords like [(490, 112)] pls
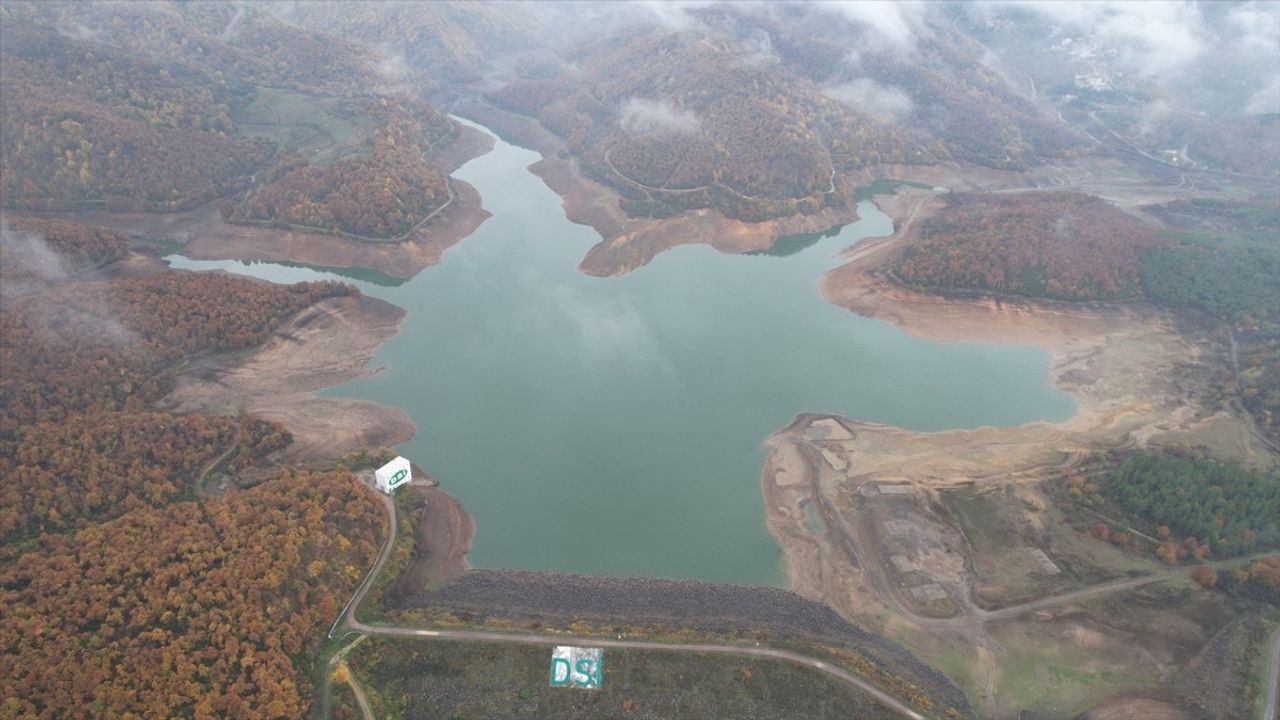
[(960, 321)]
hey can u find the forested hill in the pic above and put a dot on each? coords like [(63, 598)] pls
[(1067, 246), (930, 80), (186, 610), (1219, 258), (130, 106), (1226, 263), (426, 45), (383, 193), (94, 126), (1221, 507), (749, 109), (682, 120), (125, 594), (139, 110)]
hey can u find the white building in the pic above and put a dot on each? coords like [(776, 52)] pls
[(392, 475)]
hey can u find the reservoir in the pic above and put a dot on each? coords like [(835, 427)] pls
[(614, 425)]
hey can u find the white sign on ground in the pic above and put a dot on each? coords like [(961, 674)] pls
[(577, 667)]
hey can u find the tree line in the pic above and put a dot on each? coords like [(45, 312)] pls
[(1220, 259), (1208, 504), (764, 139), (124, 595), (1066, 246), (382, 194), (188, 610)]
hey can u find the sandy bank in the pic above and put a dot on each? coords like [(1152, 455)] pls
[(204, 236), (324, 345)]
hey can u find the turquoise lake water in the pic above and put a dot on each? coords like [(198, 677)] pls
[(614, 425)]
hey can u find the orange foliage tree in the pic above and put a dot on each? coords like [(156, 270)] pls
[(188, 610)]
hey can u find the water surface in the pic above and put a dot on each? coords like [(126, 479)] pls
[(613, 425)]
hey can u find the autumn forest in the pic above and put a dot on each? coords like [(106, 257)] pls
[(208, 602), (988, 197)]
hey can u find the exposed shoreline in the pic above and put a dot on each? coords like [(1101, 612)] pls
[(628, 243), (442, 538), (324, 345), (1136, 371), (203, 234)]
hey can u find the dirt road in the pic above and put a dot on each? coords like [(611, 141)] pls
[(972, 617), (208, 468), (1273, 679), (348, 623), (366, 710)]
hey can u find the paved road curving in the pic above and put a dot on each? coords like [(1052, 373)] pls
[(556, 639), (347, 623)]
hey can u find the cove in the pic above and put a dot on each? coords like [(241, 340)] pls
[(614, 425)]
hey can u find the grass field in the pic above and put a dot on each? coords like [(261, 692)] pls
[(1062, 679), (1003, 532), (315, 126), (1062, 661), (439, 679)]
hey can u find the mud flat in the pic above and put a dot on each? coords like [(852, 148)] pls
[(204, 236), (324, 345)]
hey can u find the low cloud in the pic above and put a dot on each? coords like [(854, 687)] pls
[(759, 48), (673, 14), (31, 266), (892, 25), (644, 116), (392, 65), (883, 102), (1252, 35), (1265, 100), (1152, 38), (77, 31), (1222, 57), (29, 262)]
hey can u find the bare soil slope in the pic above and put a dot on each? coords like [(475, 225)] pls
[(324, 345)]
